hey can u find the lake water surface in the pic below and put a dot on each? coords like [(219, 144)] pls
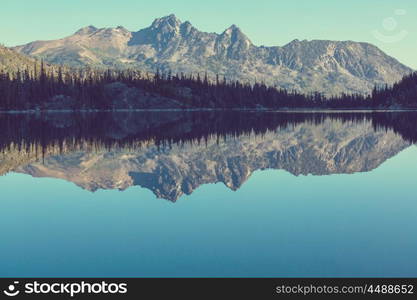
[(208, 194)]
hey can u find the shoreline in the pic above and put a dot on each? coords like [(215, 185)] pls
[(300, 110)]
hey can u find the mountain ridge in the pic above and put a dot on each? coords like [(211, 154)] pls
[(330, 67)]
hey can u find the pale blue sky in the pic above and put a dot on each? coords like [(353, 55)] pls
[(266, 22)]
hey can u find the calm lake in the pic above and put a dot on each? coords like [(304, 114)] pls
[(208, 194)]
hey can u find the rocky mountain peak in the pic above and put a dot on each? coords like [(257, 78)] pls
[(87, 30), (231, 29), (235, 35), (187, 28), (170, 22), (233, 43), (121, 29)]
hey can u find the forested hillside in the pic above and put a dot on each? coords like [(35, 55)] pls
[(59, 88)]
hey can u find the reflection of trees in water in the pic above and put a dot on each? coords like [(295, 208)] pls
[(130, 130), (174, 153)]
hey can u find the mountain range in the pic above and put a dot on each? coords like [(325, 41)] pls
[(330, 67)]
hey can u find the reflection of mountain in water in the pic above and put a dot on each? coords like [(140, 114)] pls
[(197, 148)]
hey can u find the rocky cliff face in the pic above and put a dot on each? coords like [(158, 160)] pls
[(330, 67), (331, 147)]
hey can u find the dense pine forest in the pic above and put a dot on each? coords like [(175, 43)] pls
[(58, 88)]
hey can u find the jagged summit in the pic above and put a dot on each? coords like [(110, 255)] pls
[(236, 35), (232, 29), (170, 20), (87, 30), (330, 67)]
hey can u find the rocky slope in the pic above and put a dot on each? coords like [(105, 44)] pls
[(11, 61), (330, 67), (331, 147)]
